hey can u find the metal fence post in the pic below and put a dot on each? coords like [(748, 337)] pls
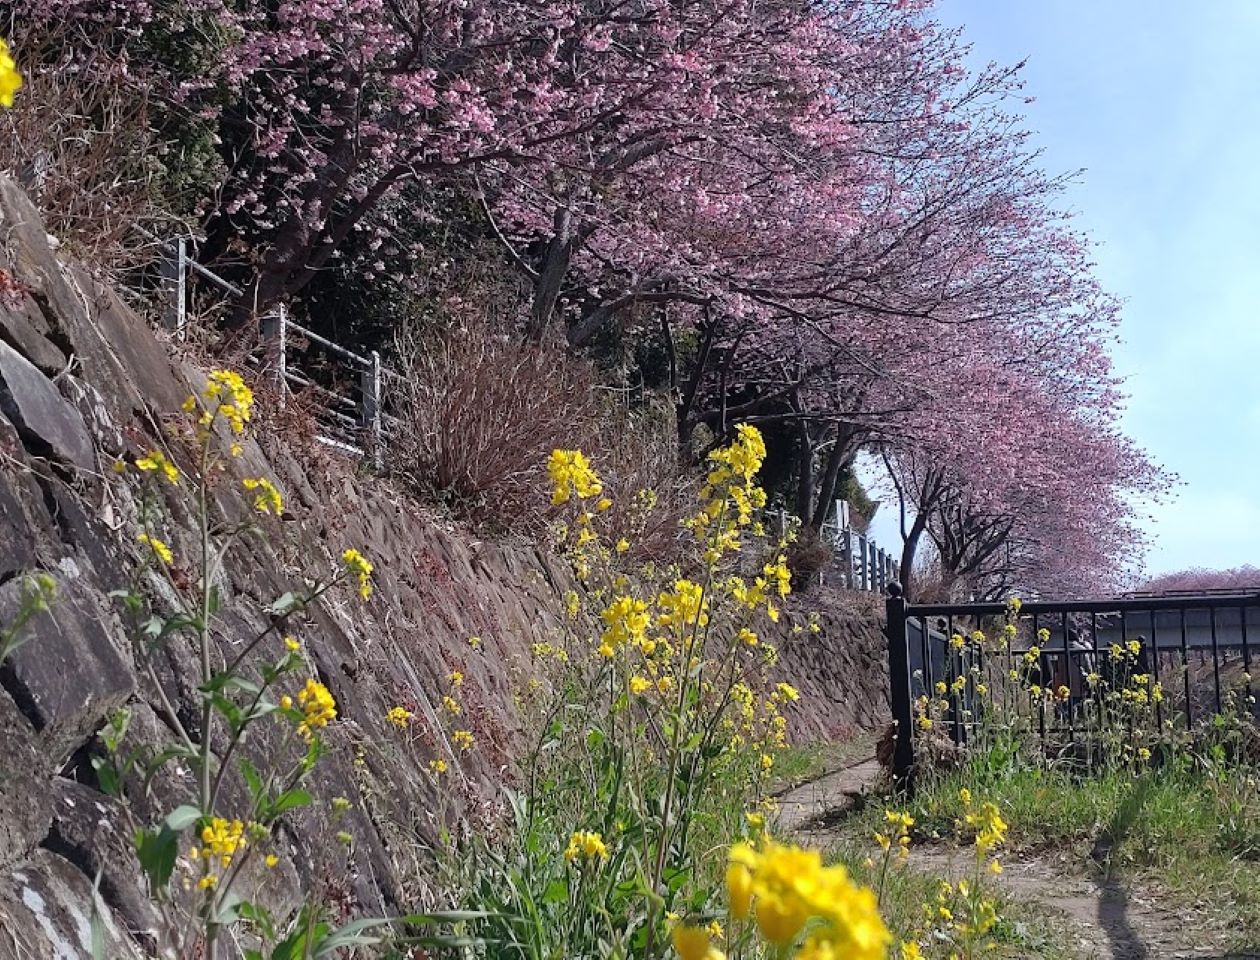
[(370, 413), (175, 288), (899, 695), (846, 550), (275, 332), (864, 577)]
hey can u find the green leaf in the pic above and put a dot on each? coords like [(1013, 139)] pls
[(289, 800), (285, 603), (182, 817), (156, 764), (260, 917), (157, 850), (106, 777), (253, 780), (230, 908), (557, 891)]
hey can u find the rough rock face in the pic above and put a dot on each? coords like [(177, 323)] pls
[(83, 380)]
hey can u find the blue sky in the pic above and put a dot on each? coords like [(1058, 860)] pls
[(1159, 101)]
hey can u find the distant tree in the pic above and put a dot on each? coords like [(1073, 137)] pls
[(1198, 578)]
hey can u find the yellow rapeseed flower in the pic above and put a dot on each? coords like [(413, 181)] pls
[(786, 886), (585, 845), (358, 565), (318, 706), (222, 839), (227, 394), (639, 685), (438, 766), (10, 78), (159, 548), (463, 739), (399, 716), (693, 943), (267, 499), (571, 473), (156, 461)]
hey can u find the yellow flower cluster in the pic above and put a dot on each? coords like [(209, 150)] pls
[(626, 620), (10, 79), (695, 943), (986, 819), (463, 739), (585, 846), (399, 717), (155, 461), (358, 565), (159, 548), (227, 395), (317, 705), (267, 499), (729, 496), (220, 839), (684, 608), (785, 887), (571, 473), (899, 825)]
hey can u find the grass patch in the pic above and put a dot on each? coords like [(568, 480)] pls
[(1188, 832), (1024, 930), (800, 763)]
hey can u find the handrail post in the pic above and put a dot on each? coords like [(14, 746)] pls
[(275, 333), (899, 695), (847, 552), (370, 411), (175, 286), (865, 578)]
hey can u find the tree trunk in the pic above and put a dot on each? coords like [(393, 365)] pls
[(551, 277), (909, 548), (841, 453), (804, 471)]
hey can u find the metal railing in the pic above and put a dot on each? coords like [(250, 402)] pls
[(353, 421), (858, 562), (1195, 648)]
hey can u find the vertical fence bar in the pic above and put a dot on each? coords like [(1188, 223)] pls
[(1246, 652), (275, 334), (370, 410), (1159, 706), (1185, 669), (1067, 701), (1216, 659), (175, 288), (864, 582), (846, 553), (899, 695)]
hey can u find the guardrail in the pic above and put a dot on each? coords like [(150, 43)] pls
[(858, 561), (353, 421)]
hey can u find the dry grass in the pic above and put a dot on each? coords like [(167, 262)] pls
[(84, 151), (481, 411)]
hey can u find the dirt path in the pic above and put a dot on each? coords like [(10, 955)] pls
[(1103, 919), (806, 810)]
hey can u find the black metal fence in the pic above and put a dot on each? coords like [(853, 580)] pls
[(1185, 658)]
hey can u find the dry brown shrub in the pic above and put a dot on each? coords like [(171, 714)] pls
[(807, 556), (479, 412), (84, 151)]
